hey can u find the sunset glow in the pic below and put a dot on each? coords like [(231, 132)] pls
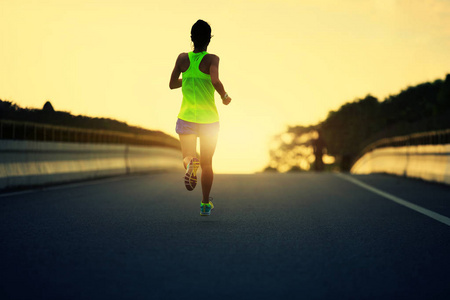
[(282, 62)]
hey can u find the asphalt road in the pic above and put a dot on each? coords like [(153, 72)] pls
[(271, 236)]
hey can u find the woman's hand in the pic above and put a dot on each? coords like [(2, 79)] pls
[(226, 99)]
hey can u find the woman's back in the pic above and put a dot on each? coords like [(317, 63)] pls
[(205, 64), (198, 103)]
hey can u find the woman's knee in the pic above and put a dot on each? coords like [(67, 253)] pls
[(206, 164)]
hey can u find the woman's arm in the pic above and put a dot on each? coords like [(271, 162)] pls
[(214, 72), (175, 80)]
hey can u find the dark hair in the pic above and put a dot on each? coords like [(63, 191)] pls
[(201, 34)]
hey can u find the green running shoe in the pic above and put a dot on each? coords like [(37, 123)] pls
[(205, 208)]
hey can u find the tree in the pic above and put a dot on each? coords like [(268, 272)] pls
[(48, 107), (356, 124)]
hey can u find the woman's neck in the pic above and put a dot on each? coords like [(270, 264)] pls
[(199, 50)]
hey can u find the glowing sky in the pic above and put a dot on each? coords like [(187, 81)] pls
[(283, 62)]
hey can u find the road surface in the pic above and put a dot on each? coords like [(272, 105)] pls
[(271, 236)]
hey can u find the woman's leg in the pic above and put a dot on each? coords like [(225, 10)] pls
[(188, 147), (207, 148)]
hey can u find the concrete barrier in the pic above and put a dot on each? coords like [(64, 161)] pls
[(427, 162), (143, 159), (29, 163)]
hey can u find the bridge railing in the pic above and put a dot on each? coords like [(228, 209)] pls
[(14, 130), (421, 155), (33, 154), (439, 137)]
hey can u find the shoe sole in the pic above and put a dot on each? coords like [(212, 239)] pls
[(190, 178)]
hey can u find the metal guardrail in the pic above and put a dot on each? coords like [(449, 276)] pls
[(14, 130), (423, 138)]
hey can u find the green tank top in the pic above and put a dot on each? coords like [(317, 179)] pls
[(198, 104)]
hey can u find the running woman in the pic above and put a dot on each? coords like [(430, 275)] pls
[(198, 117)]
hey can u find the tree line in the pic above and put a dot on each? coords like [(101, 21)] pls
[(346, 131), (47, 115)]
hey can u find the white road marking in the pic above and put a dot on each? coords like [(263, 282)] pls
[(87, 183), (70, 185), (17, 193), (419, 209)]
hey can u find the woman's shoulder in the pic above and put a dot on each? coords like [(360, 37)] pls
[(183, 55), (211, 57)]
